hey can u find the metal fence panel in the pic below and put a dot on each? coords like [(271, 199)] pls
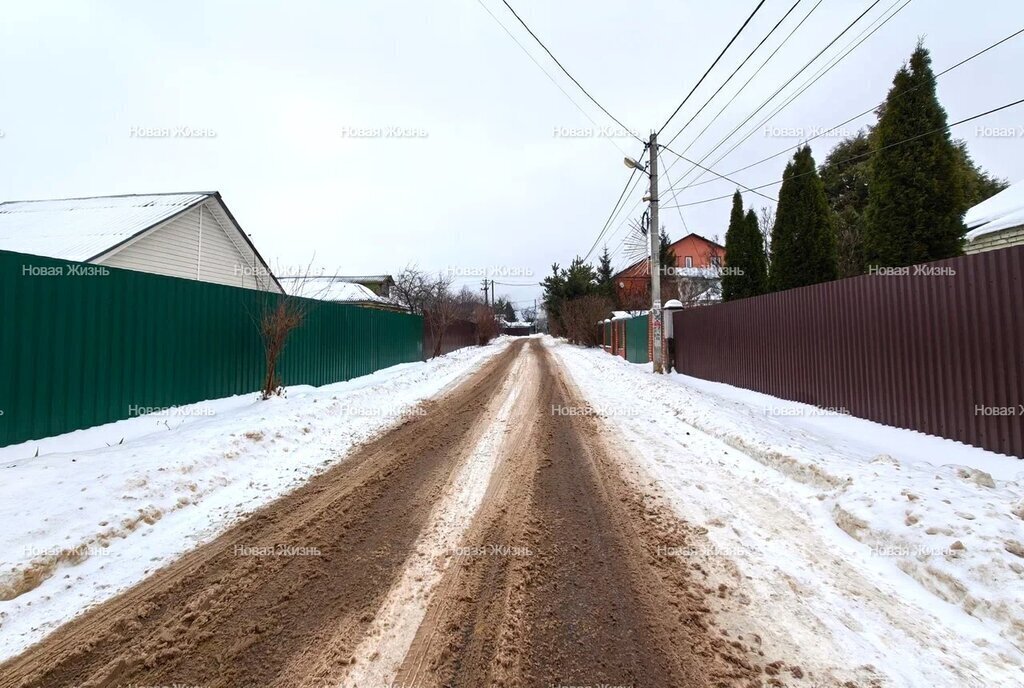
[(78, 350), (637, 349), (938, 349), (459, 334)]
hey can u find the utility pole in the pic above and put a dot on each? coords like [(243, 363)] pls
[(485, 292), (492, 292), (655, 232)]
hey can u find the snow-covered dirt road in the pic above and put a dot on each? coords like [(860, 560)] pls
[(538, 515), (489, 541)]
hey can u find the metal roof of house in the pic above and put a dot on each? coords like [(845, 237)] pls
[(331, 288), (81, 229), (363, 278), (1002, 211)]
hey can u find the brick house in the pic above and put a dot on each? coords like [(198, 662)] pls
[(696, 279)]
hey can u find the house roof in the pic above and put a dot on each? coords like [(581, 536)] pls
[(81, 229), (701, 237), (364, 278), (332, 288), (1002, 211), (642, 266)]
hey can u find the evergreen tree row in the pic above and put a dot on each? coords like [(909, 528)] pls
[(893, 196)]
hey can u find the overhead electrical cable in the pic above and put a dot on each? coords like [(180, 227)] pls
[(722, 109), (729, 78), (566, 72), (873, 108), (788, 82), (546, 72), (708, 71), (810, 82), (867, 154)]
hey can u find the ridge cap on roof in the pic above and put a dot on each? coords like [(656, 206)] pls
[(92, 198)]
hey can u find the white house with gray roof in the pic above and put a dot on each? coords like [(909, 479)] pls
[(997, 222), (188, 235)]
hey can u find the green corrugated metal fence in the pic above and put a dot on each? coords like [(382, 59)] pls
[(78, 350), (636, 340)]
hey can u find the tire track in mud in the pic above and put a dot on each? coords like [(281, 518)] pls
[(282, 598), (563, 580)]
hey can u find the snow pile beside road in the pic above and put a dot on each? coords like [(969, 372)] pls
[(94, 513), (857, 542)]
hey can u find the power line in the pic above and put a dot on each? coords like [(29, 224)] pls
[(735, 95), (679, 210), (546, 73), (566, 71), (516, 284), (729, 78), (751, 77), (701, 80), (788, 82), (871, 109), (720, 176), (615, 209), (810, 82), (867, 154), (616, 213)]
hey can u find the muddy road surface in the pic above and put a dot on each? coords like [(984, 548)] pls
[(490, 541)]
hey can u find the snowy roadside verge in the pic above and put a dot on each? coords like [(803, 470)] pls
[(865, 551), (90, 520)]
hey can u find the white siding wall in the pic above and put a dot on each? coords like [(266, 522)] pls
[(1013, 236), (174, 249)]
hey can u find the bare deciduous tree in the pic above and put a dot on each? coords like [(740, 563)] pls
[(440, 310), (412, 289), (433, 298)]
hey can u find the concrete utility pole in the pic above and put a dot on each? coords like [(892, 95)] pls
[(655, 232)]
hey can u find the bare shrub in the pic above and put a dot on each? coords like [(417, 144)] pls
[(276, 322), (580, 317), (486, 324), (277, 316)]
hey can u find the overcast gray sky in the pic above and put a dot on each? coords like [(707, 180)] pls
[(484, 165)]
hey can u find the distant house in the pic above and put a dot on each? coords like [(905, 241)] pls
[(996, 222), (188, 235), (339, 290), (697, 275), (516, 328)]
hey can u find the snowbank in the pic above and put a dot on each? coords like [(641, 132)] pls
[(865, 551), (99, 509)]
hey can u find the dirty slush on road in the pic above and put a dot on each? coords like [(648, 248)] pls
[(559, 579)]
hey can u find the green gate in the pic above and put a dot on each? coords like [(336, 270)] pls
[(636, 340)]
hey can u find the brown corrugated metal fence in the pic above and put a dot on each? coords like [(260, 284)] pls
[(938, 349), (459, 334)]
